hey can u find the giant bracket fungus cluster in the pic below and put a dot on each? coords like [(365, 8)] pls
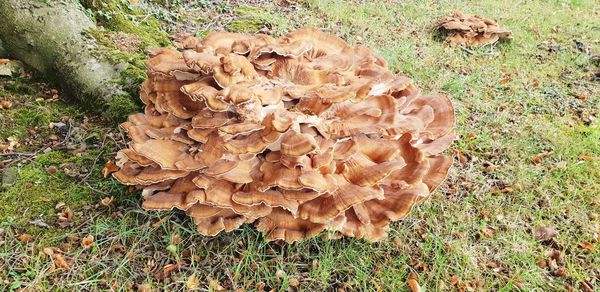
[(297, 134), (472, 30)]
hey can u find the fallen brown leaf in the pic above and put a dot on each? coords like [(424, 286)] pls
[(145, 287), (176, 239), (555, 255), (293, 282), (541, 263), (471, 136), (453, 280), (412, 283), (59, 206), (544, 233), (586, 286), (537, 159), (461, 157), (505, 78), (487, 232), (106, 201), (66, 215), (4, 61), (48, 251), (159, 222), (214, 285), (5, 104), (167, 269), (87, 241), (586, 245), (192, 282), (61, 262), (559, 272), (25, 238)]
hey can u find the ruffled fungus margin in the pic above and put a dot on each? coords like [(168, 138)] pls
[(299, 134)]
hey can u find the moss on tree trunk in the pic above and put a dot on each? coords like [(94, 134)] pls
[(3, 52), (50, 37)]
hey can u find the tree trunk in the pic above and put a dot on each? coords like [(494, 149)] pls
[(3, 52), (50, 37)]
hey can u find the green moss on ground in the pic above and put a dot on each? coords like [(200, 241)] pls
[(36, 192), (121, 107), (251, 25), (29, 110)]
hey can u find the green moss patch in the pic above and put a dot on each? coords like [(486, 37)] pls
[(37, 191), (120, 107), (121, 16)]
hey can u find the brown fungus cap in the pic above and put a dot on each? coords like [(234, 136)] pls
[(298, 134), (471, 30)]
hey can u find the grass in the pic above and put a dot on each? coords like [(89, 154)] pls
[(514, 101)]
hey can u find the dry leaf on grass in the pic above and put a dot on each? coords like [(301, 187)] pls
[(537, 159), (192, 282), (87, 241), (176, 239), (587, 246), (544, 233), (5, 104), (66, 215), (25, 238), (61, 261), (215, 286), (166, 271), (412, 283), (454, 280), (293, 282), (106, 201), (144, 287), (49, 251)]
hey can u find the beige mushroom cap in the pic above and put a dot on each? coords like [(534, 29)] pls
[(298, 134), (471, 30)]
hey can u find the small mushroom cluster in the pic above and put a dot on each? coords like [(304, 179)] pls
[(471, 30), (299, 134)]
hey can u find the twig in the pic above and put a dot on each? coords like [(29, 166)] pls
[(95, 189), (467, 50), (19, 154), (31, 155)]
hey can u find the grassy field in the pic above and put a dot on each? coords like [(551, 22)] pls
[(527, 163)]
